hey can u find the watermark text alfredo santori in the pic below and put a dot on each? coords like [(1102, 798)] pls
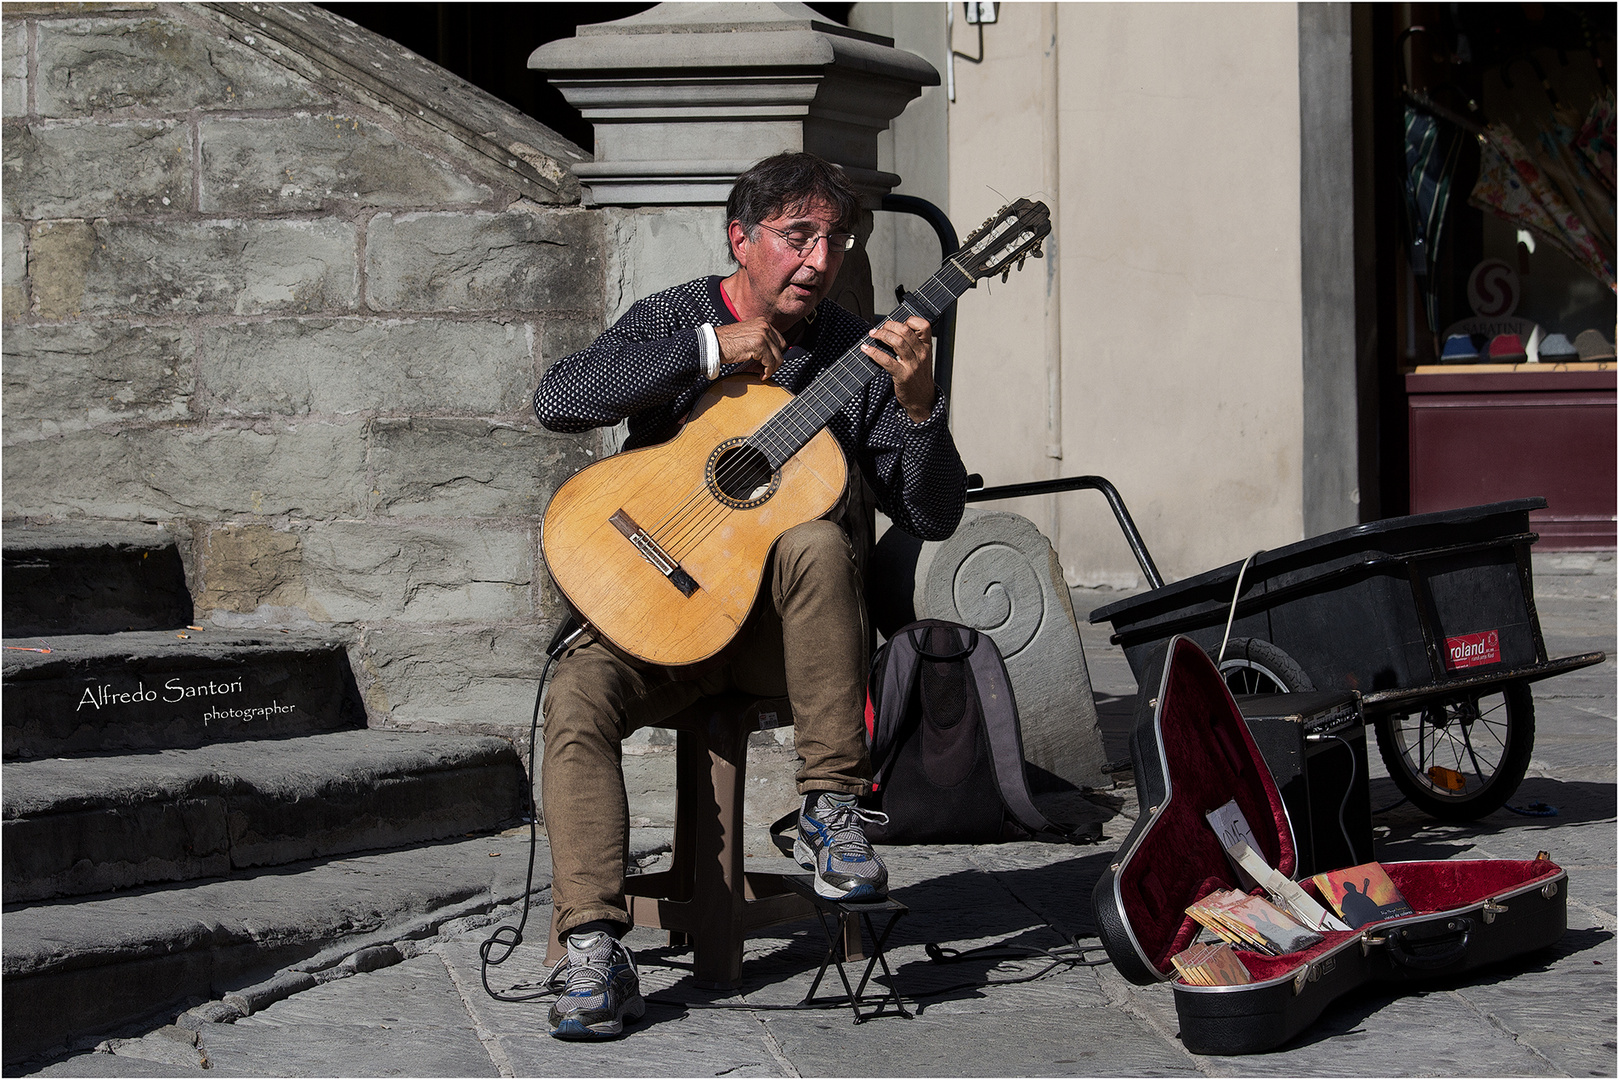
[(174, 691)]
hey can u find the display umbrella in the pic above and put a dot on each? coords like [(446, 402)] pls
[(1512, 186)]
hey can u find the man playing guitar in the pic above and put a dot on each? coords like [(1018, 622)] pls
[(790, 220)]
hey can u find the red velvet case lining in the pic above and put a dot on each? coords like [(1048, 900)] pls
[(1211, 758), (1428, 887)]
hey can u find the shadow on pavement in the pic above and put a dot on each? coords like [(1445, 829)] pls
[(1414, 834), (1019, 912), (1347, 1015)]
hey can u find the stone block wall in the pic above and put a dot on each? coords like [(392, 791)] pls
[(274, 282)]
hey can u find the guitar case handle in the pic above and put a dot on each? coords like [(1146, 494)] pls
[(1430, 951)]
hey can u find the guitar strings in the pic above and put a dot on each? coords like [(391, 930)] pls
[(780, 436), (838, 384), (701, 512), (763, 440), (791, 428), (768, 442)]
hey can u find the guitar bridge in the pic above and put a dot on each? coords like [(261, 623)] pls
[(653, 553)]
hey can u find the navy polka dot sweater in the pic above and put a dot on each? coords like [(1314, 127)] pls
[(647, 368)]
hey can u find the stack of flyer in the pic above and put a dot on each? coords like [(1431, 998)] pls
[(1211, 964), (1252, 923)]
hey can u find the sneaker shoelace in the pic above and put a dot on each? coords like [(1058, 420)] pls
[(845, 824), (591, 974)]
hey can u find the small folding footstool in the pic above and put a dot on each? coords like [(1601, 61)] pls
[(837, 920)]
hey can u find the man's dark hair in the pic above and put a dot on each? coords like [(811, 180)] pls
[(785, 184)]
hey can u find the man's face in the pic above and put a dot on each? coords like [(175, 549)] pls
[(785, 284)]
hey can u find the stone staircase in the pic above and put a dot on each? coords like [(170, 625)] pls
[(175, 798)]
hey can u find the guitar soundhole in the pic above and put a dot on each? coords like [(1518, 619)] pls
[(740, 476)]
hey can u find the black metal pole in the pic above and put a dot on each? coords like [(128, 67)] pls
[(1132, 536)]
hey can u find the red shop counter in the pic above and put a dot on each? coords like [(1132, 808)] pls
[(1483, 433)]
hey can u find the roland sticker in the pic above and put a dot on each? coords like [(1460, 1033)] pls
[(1473, 650)]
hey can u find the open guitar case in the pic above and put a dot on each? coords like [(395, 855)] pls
[(1195, 754)]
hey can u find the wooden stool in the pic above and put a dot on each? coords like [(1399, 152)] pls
[(706, 897)]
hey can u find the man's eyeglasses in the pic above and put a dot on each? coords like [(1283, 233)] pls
[(804, 242)]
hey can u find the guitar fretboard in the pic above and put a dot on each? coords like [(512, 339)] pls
[(784, 434)]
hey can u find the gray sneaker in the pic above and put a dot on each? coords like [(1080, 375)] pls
[(832, 842), (600, 989)]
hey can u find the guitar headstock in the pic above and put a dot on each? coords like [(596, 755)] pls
[(1013, 234)]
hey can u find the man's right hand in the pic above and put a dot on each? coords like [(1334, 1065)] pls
[(753, 342)]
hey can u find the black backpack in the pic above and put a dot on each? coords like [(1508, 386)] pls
[(946, 749)]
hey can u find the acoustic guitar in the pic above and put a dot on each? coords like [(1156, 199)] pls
[(662, 550)]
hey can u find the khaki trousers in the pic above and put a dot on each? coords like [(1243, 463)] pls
[(805, 639)]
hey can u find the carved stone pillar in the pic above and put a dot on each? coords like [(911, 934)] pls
[(686, 96)]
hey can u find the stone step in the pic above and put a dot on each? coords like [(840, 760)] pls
[(77, 970), (73, 826), (160, 690), (100, 579)]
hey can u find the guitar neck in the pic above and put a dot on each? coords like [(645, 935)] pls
[(784, 434)]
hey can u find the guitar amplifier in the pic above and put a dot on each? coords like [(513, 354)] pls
[(1315, 746)]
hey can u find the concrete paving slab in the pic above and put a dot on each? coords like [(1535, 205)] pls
[(668, 1042), (419, 990), (1371, 1033), (1039, 1041), (406, 1020), (1557, 1005), (95, 1064), (674, 1039), (348, 1050), (521, 977)]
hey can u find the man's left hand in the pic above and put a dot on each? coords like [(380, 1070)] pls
[(911, 364)]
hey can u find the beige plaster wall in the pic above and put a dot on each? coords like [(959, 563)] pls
[(1165, 137)]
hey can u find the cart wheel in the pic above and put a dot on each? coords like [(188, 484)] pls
[(1461, 759), (1255, 666)]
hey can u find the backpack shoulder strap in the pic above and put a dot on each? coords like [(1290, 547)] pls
[(1006, 746), (893, 677)]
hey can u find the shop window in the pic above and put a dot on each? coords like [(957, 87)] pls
[(1507, 180), (1495, 242)]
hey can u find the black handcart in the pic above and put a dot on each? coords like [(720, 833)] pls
[(1430, 617)]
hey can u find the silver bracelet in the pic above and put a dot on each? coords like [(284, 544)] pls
[(708, 345)]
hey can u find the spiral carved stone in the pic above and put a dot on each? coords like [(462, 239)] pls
[(998, 592), (999, 575)]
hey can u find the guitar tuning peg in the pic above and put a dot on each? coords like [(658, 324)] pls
[(1005, 274), (1038, 252), (1020, 262)]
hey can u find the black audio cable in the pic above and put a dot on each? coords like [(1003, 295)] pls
[(505, 937)]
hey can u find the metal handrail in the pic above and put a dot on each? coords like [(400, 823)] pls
[(977, 492)]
